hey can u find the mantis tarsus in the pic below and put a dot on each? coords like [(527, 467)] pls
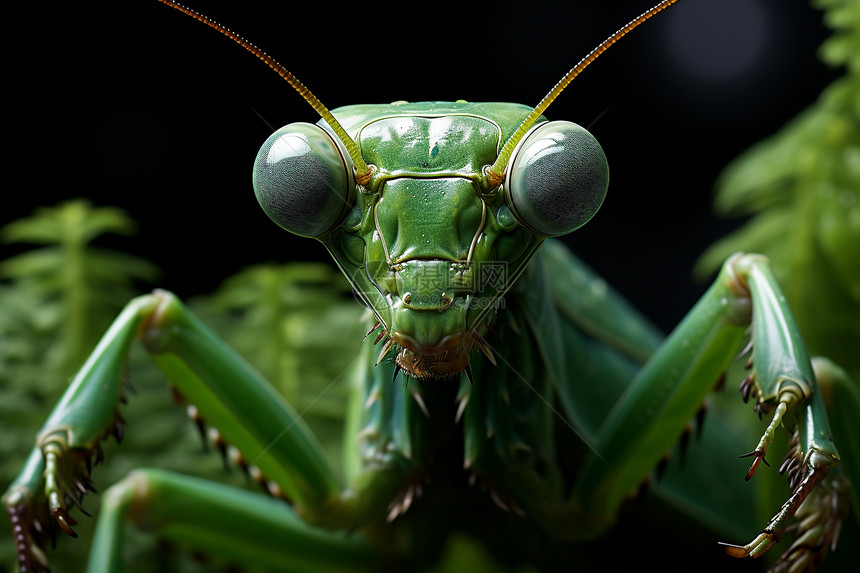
[(417, 372)]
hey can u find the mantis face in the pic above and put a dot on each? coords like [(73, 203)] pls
[(416, 201), (428, 241)]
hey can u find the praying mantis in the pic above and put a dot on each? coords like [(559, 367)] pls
[(419, 372)]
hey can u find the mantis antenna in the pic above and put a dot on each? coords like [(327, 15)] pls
[(495, 173), (363, 171)]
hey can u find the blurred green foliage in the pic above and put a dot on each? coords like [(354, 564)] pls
[(68, 286), (56, 301), (801, 190)]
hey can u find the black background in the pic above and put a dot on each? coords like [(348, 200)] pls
[(136, 105)]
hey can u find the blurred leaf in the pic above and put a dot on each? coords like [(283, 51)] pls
[(73, 221), (91, 283)]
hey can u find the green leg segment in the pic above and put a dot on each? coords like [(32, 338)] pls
[(248, 413), (819, 511), (57, 471), (657, 407), (227, 393), (842, 398), (239, 527), (548, 372), (387, 422)]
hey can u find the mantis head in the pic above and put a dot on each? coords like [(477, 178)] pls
[(432, 211), (427, 242)]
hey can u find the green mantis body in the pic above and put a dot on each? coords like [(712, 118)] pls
[(488, 322)]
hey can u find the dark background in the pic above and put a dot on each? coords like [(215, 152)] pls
[(136, 105)]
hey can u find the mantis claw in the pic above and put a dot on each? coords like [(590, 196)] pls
[(746, 387), (759, 457), (816, 531), (403, 501), (761, 449), (819, 524), (755, 548), (64, 521)]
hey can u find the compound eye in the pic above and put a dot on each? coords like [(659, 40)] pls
[(303, 179), (557, 178)]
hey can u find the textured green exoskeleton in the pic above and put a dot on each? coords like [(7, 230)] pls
[(426, 243), (556, 396)]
